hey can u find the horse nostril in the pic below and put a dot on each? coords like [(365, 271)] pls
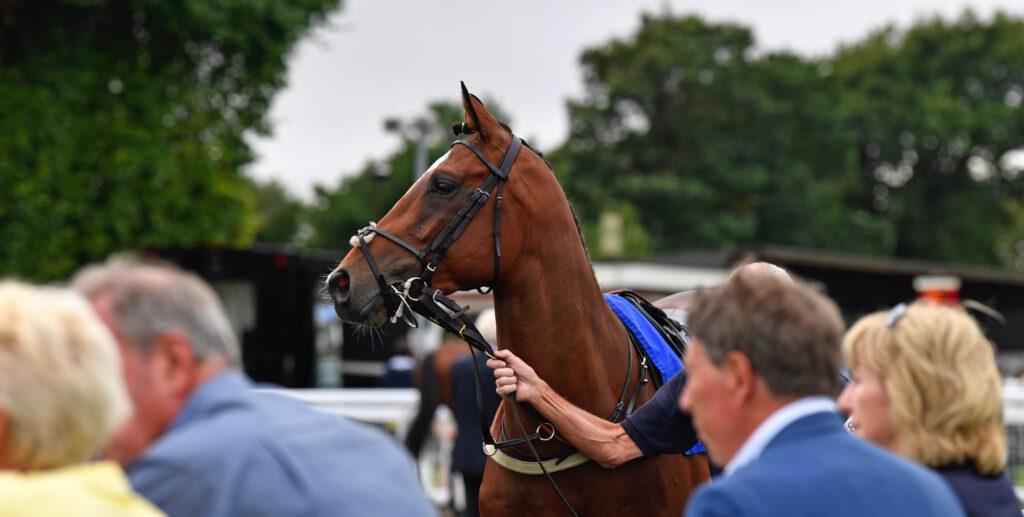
[(338, 285)]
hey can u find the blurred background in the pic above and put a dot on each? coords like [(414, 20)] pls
[(860, 145)]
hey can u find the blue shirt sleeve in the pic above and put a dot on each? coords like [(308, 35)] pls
[(658, 427), (235, 452)]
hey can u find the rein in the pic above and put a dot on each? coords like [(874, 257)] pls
[(416, 295), (430, 256)]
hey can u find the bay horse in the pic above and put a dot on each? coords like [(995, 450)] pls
[(433, 380), (549, 307)]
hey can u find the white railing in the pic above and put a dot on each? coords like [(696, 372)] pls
[(390, 408), (394, 410), (1013, 415)]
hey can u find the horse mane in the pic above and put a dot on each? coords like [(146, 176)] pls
[(461, 128), (579, 230), (575, 218)]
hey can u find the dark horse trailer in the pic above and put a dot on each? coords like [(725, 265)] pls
[(289, 334)]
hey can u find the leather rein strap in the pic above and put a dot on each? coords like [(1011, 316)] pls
[(416, 295), (430, 256)]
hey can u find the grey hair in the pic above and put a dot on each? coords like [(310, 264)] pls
[(148, 299), (790, 332)]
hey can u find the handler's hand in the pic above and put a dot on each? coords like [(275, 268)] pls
[(513, 375)]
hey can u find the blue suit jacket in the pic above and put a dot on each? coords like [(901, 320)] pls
[(813, 467)]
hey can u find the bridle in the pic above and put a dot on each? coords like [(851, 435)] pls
[(398, 295), (416, 295)]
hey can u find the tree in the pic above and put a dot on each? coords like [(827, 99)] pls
[(337, 213), (124, 123), (280, 216), (709, 145), (936, 115), (908, 143)]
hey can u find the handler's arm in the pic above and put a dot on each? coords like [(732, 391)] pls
[(601, 440)]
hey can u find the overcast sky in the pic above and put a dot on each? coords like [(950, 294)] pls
[(376, 59)]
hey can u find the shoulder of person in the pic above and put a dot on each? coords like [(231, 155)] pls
[(720, 498)]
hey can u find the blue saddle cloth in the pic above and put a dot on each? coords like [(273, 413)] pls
[(663, 357)]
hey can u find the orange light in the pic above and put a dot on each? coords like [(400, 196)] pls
[(940, 289)]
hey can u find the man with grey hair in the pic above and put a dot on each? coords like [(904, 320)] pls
[(757, 390), (202, 442), (761, 377)]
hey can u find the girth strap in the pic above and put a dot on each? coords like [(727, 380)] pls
[(534, 468)]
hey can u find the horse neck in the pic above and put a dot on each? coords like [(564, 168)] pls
[(552, 314)]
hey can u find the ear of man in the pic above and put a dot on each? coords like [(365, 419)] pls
[(177, 367), (740, 377)]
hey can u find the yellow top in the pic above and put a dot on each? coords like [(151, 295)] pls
[(87, 489)]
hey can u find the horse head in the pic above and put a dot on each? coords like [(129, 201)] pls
[(458, 227), (491, 213)]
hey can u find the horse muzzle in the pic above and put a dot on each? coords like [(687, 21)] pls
[(348, 305)]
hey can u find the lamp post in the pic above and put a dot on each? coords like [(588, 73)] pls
[(381, 172), (425, 338), (418, 130)]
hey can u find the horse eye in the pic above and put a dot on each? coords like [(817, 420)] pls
[(444, 186)]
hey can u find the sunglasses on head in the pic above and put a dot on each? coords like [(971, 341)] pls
[(895, 315)]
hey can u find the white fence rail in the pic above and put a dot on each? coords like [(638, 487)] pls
[(1013, 415), (394, 410), (391, 408)]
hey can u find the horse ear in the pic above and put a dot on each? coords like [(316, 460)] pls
[(477, 118)]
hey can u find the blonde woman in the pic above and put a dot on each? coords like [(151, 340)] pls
[(925, 386), (61, 396)]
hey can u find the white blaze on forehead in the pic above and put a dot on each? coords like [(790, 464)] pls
[(431, 168), (354, 240)]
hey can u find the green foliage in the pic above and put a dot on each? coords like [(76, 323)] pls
[(893, 146), (337, 213), (280, 216), (934, 110), (710, 146), (635, 240), (123, 123)]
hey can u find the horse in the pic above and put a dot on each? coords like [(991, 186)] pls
[(433, 380), (528, 249)]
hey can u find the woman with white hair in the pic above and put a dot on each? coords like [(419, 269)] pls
[(61, 397)]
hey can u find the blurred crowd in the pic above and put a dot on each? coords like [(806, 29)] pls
[(922, 395), (122, 394)]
